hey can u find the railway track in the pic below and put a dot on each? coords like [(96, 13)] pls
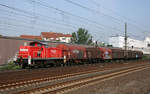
[(68, 82), (12, 87)]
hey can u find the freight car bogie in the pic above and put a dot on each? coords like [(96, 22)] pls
[(71, 62), (91, 60)]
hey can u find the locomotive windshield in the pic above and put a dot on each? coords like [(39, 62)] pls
[(37, 44)]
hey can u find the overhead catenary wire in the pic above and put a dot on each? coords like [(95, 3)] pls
[(25, 25), (62, 11), (130, 21), (18, 10), (19, 25), (13, 19), (44, 16), (94, 11), (32, 13), (72, 24), (39, 2)]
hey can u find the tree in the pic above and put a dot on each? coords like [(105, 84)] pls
[(81, 37), (109, 45)]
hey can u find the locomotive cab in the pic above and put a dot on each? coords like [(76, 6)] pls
[(37, 49), (28, 53), (34, 50)]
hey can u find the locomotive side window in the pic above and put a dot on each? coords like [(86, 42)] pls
[(39, 45), (32, 44), (39, 53), (36, 44), (46, 46)]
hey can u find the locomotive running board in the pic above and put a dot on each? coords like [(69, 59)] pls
[(47, 58)]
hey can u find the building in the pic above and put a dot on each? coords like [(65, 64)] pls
[(53, 36), (132, 44), (50, 36), (31, 37), (147, 40)]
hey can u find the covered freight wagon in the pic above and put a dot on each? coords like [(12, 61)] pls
[(93, 54), (117, 53), (74, 53)]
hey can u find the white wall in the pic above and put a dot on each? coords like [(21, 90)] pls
[(136, 43), (65, 39), (147, 40), (118, 41)]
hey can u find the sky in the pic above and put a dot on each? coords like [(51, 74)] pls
[(102, 18)]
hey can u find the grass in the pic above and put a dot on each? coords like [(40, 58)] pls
[(9, 66), (146, 57)]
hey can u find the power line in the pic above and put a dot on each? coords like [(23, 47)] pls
[(73, 15), (68, 13), (16, 13), (92, 10), (22, 25), (19, 10), (16, 9), (47, 17), (44, 16), (65, 24), (29, 27), (130, 21), (23, 22), (142, 30)]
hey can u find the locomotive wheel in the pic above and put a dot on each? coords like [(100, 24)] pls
[(23, 65), (61, 65), (31, 67)]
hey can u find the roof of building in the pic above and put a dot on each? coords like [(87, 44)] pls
[(31, 37), (54, 35)]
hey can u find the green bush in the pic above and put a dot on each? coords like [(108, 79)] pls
[(10, 66), (145, 57)]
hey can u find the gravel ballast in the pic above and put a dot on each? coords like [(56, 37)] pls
[(134, 83)]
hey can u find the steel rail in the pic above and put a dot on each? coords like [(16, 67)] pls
[(66, 86)]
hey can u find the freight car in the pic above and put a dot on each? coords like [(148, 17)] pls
[(72, 53), (40, 54), (98, 54), (120, 54)]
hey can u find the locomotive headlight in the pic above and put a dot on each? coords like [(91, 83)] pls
[(24, 50)]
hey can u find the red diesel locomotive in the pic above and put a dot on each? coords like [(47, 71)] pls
[(40, 54)]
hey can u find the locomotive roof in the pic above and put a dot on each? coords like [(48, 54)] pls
[(42, 43)]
